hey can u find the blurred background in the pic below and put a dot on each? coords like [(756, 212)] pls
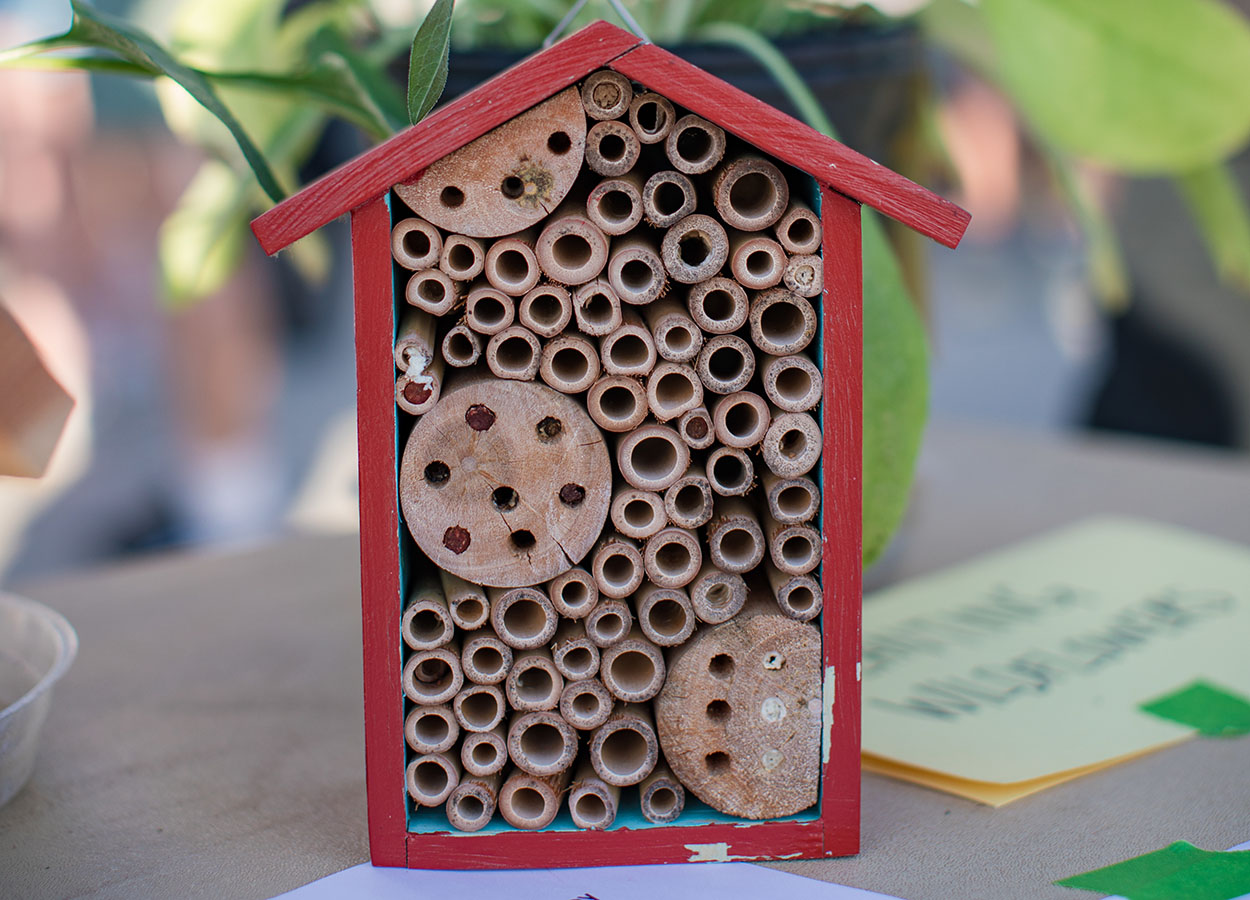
[(1099, 290)]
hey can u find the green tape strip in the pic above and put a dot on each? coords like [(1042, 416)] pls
[(1213, 711), (1179, 871)]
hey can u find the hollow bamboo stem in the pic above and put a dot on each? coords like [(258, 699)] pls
[(426, 622), (617, 403), (665, 615), (432, 677), (635, 269), (718, 305), (673, 389), (740, 419), (431, 778), (592, 801), (629, 350), (571, 249), (792, 445), (661, 796), (463, 257), (574, 593), (471, 806), (485, 659), (511, 265), (466, 602), (677, 338), (730, 472), (632, 669), (534, 683), (541, 743), (695, 428), (484, 752), (462, 347), (522, 617), (798, 230), (757, 262), (624, 749), (479, 707), (616, 565), (431, 729), (606, 95), (798, 596), (791, 501), (735, 539), (694, 145), (749, 192), (652, 117), (636, 514), (531, 803), (793, 548), (414, 341), (726, 364), (688, 500), (597, 308), (609, 624), (717, 596), (694, 249), (667, 198), (672, 557), (615, 204), (585, 704), (792, 383), (488, 310), (782, 323), (652, 457), (569, 363), (612, 148), (416, 244), (432, 291), (574, 654), (545, 310), (514, 353)]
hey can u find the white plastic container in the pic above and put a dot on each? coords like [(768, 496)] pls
[(37, 645)]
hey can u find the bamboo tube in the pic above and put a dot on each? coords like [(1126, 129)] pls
[(615, 204), (545, 310), (431, 729), (514, 354), (730, 472), (665, 615), (717, 596), (757, 262), (616, 565), (592, 801), (612, 148), (532, 803), (740, 419), (694, 145), (522, 617), (629, 350), (571, 249), (793, 548), (792, 445), (534, 683), (426, 622), (414, 341), (695, 249), (431, 778), (734, 537), (617, 403), (624, 749), (585, 704), (798, 596), (695, 428), (635, 270), (792, 383), (432, 677), (749, 192), (484, 752), (726, 364), (416, 393), (569, 364), (667, 198), (541, 743), (677, 338), (781, 322), (609, 623), (791, 501), (463, 257), (652, 117), (597, 308), (804, 275), (798, 230), (573, 593), (573, 652), (488, 310), (462, 346), (672, 557), (636, 514), (471, 806), (432, 291), (673, 389), (416, 244), (485, 659), (661, 796), (479, 707), (652, 457), (511, 265), (632, 669), (688, 500), (466, 602), (606, 95), (718, 305)]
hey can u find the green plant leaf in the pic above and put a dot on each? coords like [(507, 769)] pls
[(1103, 255), (427, 66), (202, 240), (1217, 205), (1145, 87)]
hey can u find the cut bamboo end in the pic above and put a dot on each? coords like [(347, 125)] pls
[(431, 778), (592, 801), (585, 704), (522, 617), (546, 310), (416, 393), (514, 354), (791, 501), (606, 95), (798, 596), (431, 729), (734, 537), (488, 310), (617, 403), (750, 193), (624, 749), (717, 596), (757, 262), (635, 270), (532, 803), (534, 683), (597, 308), (569, 364), (672, 390), (573, 593), (665, 615), (672, 557), (462, 347), (414, 341), (726, 364), (792, 383), (798, 230), (694, 145), (612, 148), (629, 349), (615, 204), (688, 500), (637, 514), (652, 457), (677, 338), (632, 669), (792, 445), (804, 275), (479, 707), (426, 622), (416, 244), (782, 323), (667, 198), (485, 659), (471, 806), (466, 602), (511, 265), (740, 419), (541, 743), (571, 249), (432, 677), (616, 565), (661, 797), (609, 623), (695, 249), (652, 117), (432, 291), (695, 428), (463, 257), (484, 752), (730, 472), (574, 654), (718, 305), (794, 549)]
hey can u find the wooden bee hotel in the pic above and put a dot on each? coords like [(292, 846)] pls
[(608, 336)]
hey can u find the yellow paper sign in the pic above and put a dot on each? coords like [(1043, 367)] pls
[(1026, 667)]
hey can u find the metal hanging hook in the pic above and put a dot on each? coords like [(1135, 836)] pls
[(630, 22)]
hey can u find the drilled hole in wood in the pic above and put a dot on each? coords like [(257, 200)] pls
[(481, 709), (549, 428), (782, 323), (753, 195), (615, 207), (717, 763), (667, 617), (416, 243), (624, 752), (457, 539), (504, 498), (523, 539), (721, 665), (451, 196), (571, 251), (430, 778), (693, 144), (542, 744), (774, 660), (793, 443), (612, 147), (479, 417), (694, 248), (534, 685), (637, 275), (512, 187), (718, 711), (525, 618), (572, 494), (431, 729), (558, 142), (726, 363), (527, 803), (437, 473), (668, 197)]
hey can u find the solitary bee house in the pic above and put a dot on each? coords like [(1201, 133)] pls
[(608, 336)]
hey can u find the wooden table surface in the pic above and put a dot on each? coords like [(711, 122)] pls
[(208, 742)]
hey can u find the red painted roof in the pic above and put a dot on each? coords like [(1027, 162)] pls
[(539, 76)]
